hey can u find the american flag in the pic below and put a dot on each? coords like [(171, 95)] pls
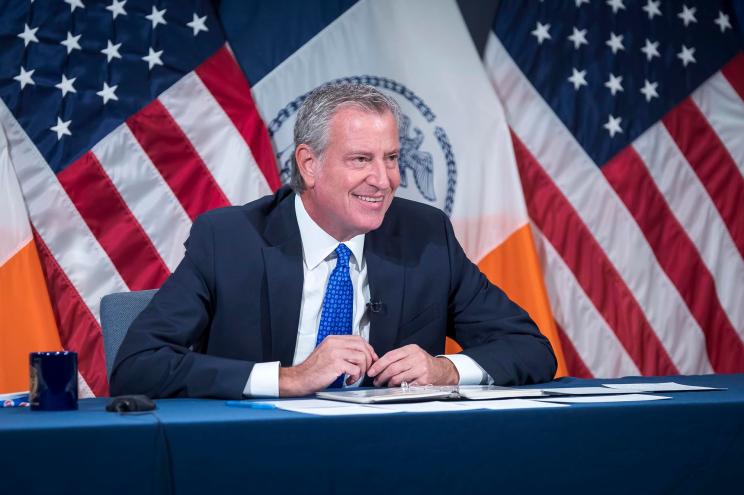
[(627, 119), (125, 120)]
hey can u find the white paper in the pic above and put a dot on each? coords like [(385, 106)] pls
[(503, 404), (307, 403), (588, 391), (420, 407), (480, 392), (657, 387), (603, 398), (339, 410)]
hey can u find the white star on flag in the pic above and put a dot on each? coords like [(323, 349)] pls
[(66, 85), (578, 79), (615, 42), (541, 32), (71, 43), (649, 90), (614, 84), (153, 58), (74, 4), (578, 38), (108, 93), (198, 24), (687, 55), (24, 77), (723, 21), (62, 128), (156, 17), (651, 49), (652, 8), (616, 5), (28, 35), (117, 8), (613, 125), (579, 2), (111, 51), (687, 15)]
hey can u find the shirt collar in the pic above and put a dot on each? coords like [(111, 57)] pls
[(317, 244)]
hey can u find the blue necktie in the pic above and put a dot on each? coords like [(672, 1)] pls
[(338, 303)]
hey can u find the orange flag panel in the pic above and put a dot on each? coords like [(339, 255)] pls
[(514, 267), (26, 320)]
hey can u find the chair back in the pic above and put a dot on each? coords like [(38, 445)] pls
[(118, 311)]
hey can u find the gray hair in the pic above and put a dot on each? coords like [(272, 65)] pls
[(319, 107)]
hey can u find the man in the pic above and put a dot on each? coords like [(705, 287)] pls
[(335, 284)]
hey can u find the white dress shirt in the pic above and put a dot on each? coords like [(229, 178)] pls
[(319, 260)]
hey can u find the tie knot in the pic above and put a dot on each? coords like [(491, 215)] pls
[(343, 253)]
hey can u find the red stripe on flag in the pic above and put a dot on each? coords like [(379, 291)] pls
[(109, 218), (604, 286), (678, 256), (734, 73), (711, 162), (574, 364), (235, 99), (78, 328), (173, 154)]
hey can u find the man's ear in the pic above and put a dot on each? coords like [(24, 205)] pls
[(307, 164)]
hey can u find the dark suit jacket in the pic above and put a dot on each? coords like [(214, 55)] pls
[(235, 300)]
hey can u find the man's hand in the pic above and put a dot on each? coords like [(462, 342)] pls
[(412, 364), (336, 355)]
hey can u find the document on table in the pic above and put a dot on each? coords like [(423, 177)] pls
[(487, 392), (304, 403), (429, 393), (388, 395), (498, 404), (325, 407), (658, 387), (586, 391), (282, 404), (319, 408), (344, 410), (602, 398), (421, 407)]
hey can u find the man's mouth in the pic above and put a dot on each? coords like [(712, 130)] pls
[(369, 199)]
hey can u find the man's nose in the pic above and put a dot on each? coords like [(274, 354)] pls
[(378, 176)]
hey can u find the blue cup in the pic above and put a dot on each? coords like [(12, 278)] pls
[(53, 381)]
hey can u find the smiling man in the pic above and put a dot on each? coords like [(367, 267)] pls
[(332, 283)]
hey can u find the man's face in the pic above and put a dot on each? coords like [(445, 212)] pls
[(351, 186)]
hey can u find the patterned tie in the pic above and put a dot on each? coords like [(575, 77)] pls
[(338, 303)]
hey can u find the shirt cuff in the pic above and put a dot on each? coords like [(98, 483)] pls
[(470, 372), (263, 381)]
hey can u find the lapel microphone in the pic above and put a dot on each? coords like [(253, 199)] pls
[(374, 306)]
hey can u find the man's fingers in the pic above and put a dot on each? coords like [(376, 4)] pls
[(387, 360), (359, 358), (411, 376), (352, 362), (353, 371), (353, 342), (400, 366)]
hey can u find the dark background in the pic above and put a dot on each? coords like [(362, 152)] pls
[(478, 15)]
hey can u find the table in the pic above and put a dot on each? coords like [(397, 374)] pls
[(693, 443)]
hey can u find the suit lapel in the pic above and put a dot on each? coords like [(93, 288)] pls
[(385, 270), (283, 268)]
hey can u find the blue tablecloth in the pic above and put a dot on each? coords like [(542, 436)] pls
[(693, 443)]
